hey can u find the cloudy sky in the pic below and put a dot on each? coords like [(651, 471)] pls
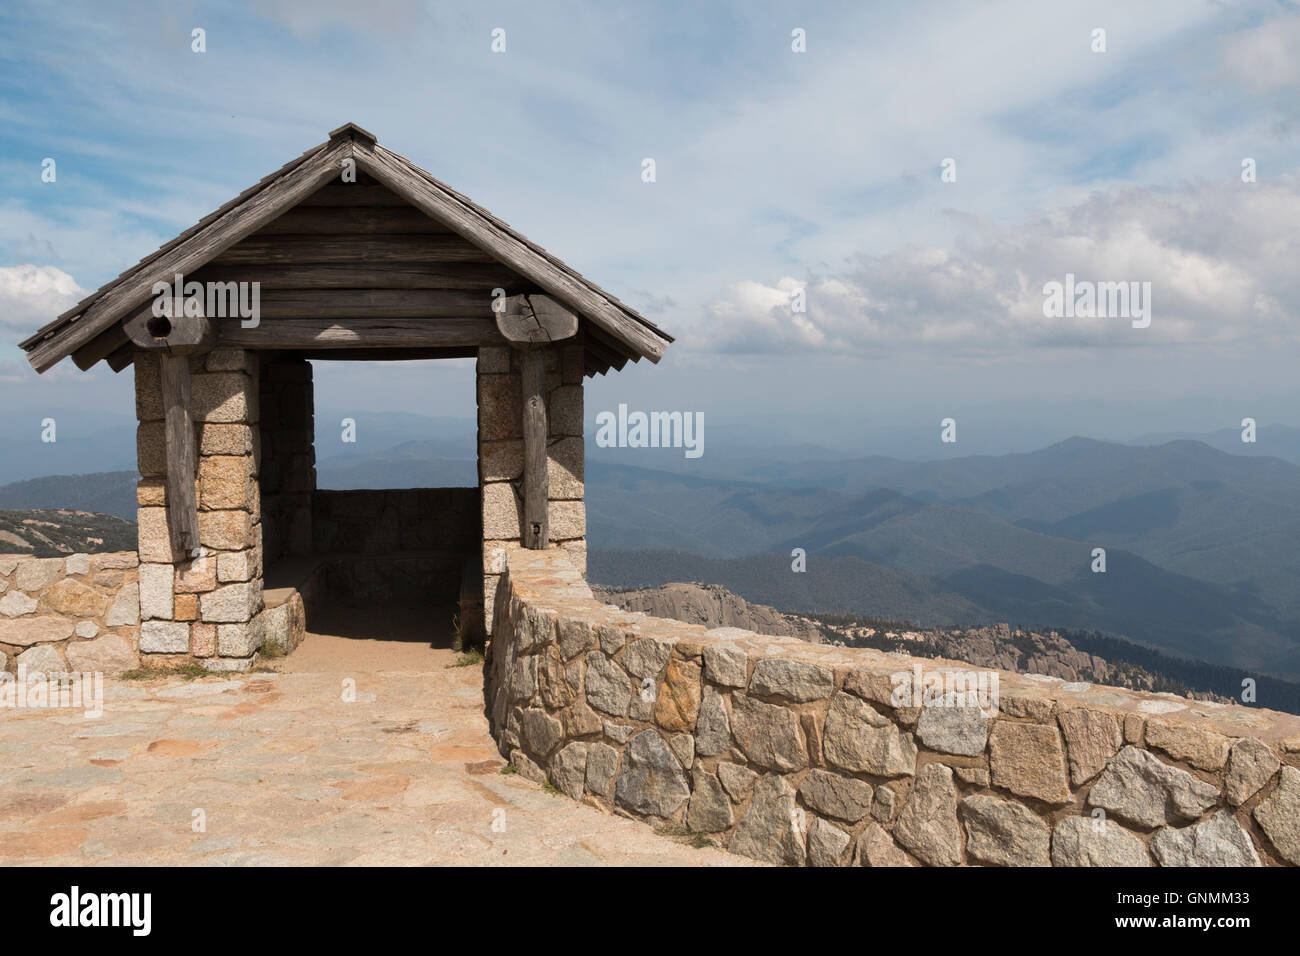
[(776, 171)]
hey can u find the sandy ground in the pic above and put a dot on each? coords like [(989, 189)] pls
[(363, 640)]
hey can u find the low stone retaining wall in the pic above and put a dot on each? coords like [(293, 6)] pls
[(432, 578), (393, 520), (79, 613), (805, 754), (291, 586)]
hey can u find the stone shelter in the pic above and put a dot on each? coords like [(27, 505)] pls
[(348, 252)]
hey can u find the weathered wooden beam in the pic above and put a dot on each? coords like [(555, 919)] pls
[(530, 323), (606, 355), (351, 131), (353, 220), (123, 357), (373, 303), (353, 249), (339, 193), (425, 332), (182, 503), (535, 320), (100, 347), (175, 335), (391, 355), (374, 275), (536, 481)]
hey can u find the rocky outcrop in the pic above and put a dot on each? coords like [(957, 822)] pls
[(710, 606), (801, 754), (59, 532)]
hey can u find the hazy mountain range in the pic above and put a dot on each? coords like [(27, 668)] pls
[(1200, 555), (1200, 541), (91, 440)]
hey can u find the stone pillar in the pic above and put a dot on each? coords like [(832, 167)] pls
[(288, 475), (501, 457), (565, 455), (206, 605)]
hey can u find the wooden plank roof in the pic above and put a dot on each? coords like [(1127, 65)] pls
[(617, 333)]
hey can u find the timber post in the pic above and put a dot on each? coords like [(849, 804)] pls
[(530, 323), (176, 337)]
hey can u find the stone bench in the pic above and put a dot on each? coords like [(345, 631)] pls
[(292, 585), (470, 631)]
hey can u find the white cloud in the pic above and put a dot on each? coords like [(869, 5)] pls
[(97, 242), (31, 296), (1220, 260), (1264, 58)]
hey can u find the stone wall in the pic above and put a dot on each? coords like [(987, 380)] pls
[(79, 613), (424, 578), (801, 754), (205, 606), (501, 456), (396, 520), (408, 544)]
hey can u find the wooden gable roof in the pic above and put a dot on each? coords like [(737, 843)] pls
[(91, 330)]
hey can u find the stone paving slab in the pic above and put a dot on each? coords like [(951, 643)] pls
[(286, 772)]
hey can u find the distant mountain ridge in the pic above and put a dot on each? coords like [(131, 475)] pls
[(1275, 441), (106, 492), (1200, 544), (710, 606)]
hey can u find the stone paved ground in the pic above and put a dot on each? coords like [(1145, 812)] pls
[(288, 773)]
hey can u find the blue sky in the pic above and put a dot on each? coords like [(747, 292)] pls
[(775, 170)]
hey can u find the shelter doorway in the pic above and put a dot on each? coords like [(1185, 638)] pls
[(389, 565)]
